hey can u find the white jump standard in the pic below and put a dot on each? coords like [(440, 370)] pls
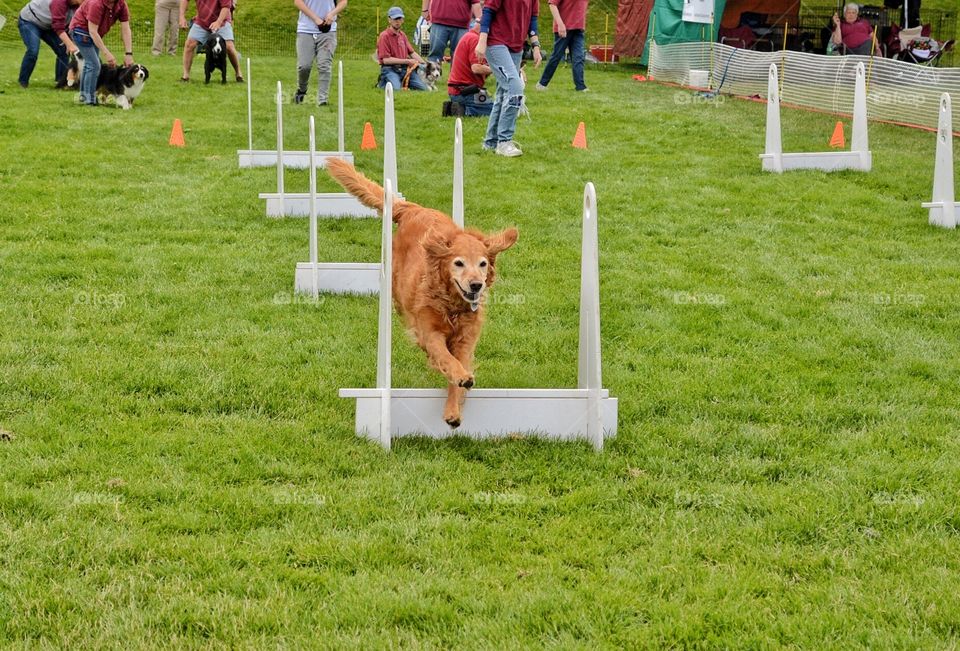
[(944, 210), (587, 412), (251, 157), (858, 158)]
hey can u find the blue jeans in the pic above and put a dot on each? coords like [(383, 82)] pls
[(32, 34), (395, 75), (91, 65), (440, 35), (471, 107), (506, 104), (574, 41)]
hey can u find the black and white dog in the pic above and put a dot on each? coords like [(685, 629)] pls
[(431, 74), (216, 58), (123, 84)]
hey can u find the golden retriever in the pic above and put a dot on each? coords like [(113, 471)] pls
[(441, 273)]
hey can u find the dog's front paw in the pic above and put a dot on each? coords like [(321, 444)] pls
[(452, 421), (466, 382)]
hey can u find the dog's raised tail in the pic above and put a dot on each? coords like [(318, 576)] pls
[(369, 193)]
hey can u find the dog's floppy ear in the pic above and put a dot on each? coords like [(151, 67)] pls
[(435, 244), (500, 241)]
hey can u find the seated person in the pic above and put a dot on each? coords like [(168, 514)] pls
[(467, 76), (396, 55), (853, 32)]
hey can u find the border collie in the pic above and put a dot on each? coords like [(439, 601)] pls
[(123, 84), (215, 58)]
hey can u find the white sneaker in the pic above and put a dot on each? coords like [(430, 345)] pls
[(539, 87), (509, 149)]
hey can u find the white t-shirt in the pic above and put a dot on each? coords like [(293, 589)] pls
[(319, 7)]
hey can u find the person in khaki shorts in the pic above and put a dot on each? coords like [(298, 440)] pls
[(165, 20)]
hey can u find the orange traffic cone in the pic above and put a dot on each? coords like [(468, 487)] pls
[(176, 134), (368, 142), (639, 78), (580, 139), (836, 140)]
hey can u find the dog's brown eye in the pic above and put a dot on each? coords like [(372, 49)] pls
[(483, 263), (458, 263)]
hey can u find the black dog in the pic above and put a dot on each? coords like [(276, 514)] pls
[(216, 58)]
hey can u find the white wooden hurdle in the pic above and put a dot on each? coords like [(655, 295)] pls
[(335, 204), (587, 412), (364, 277), (944, 210), (251, 157), (858, 158)]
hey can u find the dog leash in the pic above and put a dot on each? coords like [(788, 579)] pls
[(406, 77)]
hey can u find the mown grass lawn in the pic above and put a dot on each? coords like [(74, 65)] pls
[(177, 469)]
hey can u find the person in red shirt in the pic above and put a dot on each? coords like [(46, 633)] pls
[(505, 26), (212, 16), (396, 55), (449, 22), (89, 25), (467, 77), (569, 21), (853, 32)]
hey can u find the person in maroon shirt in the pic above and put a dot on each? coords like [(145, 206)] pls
[(212, 16), (449, 22), (90, 24), (467, 77), (46, 20), (504, 27), (395, 55), (569, 21), (853, 32)]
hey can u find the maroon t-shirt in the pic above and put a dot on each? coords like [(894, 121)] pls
[(511, 24), (461, 73), (58, 16), (393, 44), (573, 13), (452, 13), (209, 10), (103, 13), (856, 33)]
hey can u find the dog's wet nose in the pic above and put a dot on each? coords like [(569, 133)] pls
[(476, 287)]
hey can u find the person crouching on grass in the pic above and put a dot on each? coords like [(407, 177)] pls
[(504, 27), (396, 56), (212, 16), (467, 77), (90, 24)]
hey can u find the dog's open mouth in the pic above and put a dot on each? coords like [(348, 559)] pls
[(473, 298)]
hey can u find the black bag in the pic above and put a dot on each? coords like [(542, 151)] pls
[(452, 110)]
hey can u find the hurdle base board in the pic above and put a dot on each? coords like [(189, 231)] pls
[(291, 159), (339, 278), (329, 204), (938, 214), (556, 414), (827, 161)]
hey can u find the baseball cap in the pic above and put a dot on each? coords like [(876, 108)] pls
[(394, 12)]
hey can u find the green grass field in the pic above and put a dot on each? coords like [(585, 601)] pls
[(176, 468)]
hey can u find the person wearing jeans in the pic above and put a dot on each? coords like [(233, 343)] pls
[(90, 24), (569, 20), (449, 21), (316, 41), (396, 56), (465, 84), (504, 27), (46, 21)]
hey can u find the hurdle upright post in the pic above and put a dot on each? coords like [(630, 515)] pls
[(279, 140), (774, 144), (858, 141), (458, 173), (313, 210), (589, 375), (341, 147), (385, 323), (389, 138), (943, 206), (249, 110)]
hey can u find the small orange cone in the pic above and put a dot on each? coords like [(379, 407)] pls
[(368, 142), (836, 140), (639, 78), (580, 139), (176, 134)]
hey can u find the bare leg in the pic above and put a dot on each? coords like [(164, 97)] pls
[(234, 59), (189, 49)]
